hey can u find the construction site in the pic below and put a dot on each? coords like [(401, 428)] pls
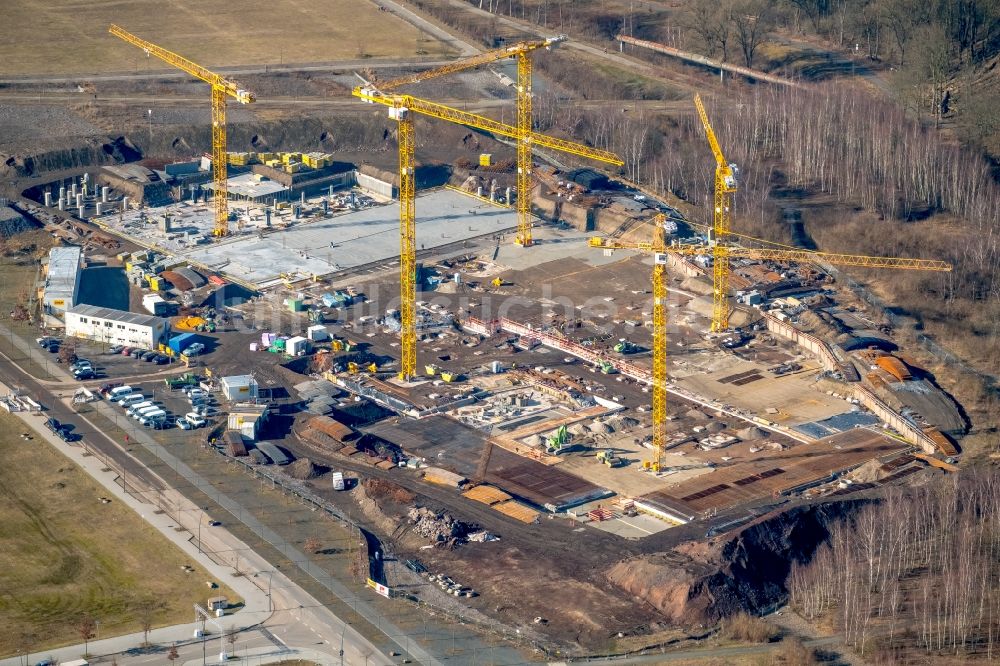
[(505, 360)]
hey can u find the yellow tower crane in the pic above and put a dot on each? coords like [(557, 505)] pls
[(722, 251), (222, 90), (657, 247), (401, 109), (523, 52), (660, 249), (725, 187)]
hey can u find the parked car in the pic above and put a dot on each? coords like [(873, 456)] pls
[(194, 349), (53, 348), (195, 419), (137, 352), (149, 356), (52, 424), (207, 410), (81, 364), (84, 373), (184, 424), (66, 435), (116, 349), (161, 359), (46, 341), (126, 351)]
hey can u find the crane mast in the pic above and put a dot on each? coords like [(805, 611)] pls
[(725, 187), (522, 51), (659, 343), (222, 90), (401, 108)]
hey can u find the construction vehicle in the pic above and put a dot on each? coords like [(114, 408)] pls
[(556, 442), (222, 90), (722, 251), (187, 379), (401, 109), (499, 282), (430, 370), (523, 52), (626, 347), (609, 458), (607, 368)]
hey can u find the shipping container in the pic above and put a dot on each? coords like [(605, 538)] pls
[(179, 343), (338, 481)]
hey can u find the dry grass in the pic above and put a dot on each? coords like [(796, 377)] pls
[(71, 37), (64, 555), (748, 628)]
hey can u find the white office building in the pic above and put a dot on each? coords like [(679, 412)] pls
[(116, 327), (62, 280)]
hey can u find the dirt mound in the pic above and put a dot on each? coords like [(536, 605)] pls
[(715, 426), (752, 433), (383, 489), (302, 469), (695, 414), (699, 582)]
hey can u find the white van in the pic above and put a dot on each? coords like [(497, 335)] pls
[(139, 413), (131, 399), (152, 417), (135, 409), (119, 391)]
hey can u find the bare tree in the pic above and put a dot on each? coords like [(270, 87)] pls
[(172, 654), (313, 545), (86, 626), (231, 636), (145, 613), (67, 351), (752, 21), (710, 22)]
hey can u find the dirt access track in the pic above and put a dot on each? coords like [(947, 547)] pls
[(59, 37)]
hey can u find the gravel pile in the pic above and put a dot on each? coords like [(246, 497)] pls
[(438, 526), (302, 469)]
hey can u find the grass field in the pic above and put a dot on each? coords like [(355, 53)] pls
[(64, 554), (71, 36)]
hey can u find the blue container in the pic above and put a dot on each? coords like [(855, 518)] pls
[(179, 343)]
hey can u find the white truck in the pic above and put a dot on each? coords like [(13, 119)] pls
[(338, 481)]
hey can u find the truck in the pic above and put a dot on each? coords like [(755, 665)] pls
[(187, 379), (338, 481)]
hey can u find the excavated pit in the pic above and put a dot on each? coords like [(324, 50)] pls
[(700, 582)]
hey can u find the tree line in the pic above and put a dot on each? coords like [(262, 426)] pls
[(917, 571)]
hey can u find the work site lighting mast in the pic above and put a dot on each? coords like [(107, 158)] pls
[(401, 108), (523, 52), (659, 249), (222, 90)]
